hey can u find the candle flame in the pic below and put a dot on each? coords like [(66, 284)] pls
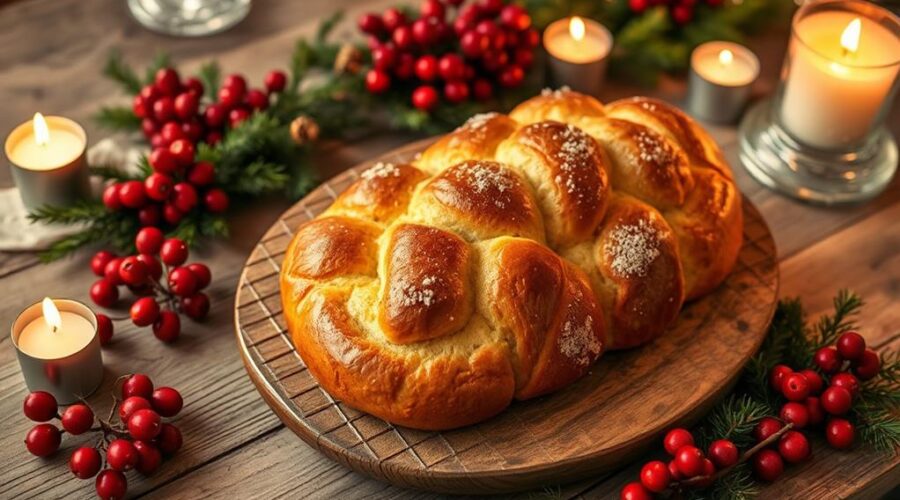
[(576, 28), (51, 314), (725, 57), (850, 36), (41, 132)]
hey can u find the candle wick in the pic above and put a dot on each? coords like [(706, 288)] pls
[(53, 329)]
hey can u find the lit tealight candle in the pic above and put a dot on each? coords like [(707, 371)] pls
[(578, 50), (59, 349), (48, 161), (841, 69), (722, 74)]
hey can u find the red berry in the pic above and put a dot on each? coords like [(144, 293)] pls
[(708, 471), (216, 201), (167, 81), (795, 413), (682, 14), (149, 457), (384, 57), (104, 293), (111, 199), (144, 311), (828, 360), (77, 419), (192, 129), (423, 31), (194, 85), (836, 400), (393, 19), (377, 81), (139, 106), (229, 97), (403, 38), (766, 427), (196, 306), (100, 260), (456, 91), (183, 151), (186, 105), (431, 8), (851, 346), (162, 161), (674, 473), (638, 6), (167, 327), (42, 440), (149, 127), (132, 404), (524, 57), (655, 476), (139, 385), (133, 272), (169, 440), (767, 465), (532, 38), (158, 186), (144, 424), (815, 410), (795, 387), (425, 97), (173, 252), (214, 115), (85, 462), (869, 365), (202, 173), (237, 116), (149, 92), (111, 271), (167, 401), (184, 196), (793, 447), (813, 380), (149, 240), (482, 89), (171, 132), (257, 99), (474, 44), (777, 376), (515, 17), (111, 485), (426, 68), (839, 433), (164, 109), (451, 67), (723, 453), (406, 66), (847, 381), (368, 23), (149, 216), (676, 439), (276, 80), (121, 455), (213, 138), (512, 76), (104, 329), (689, 460), (132, 194), (39, 406), (235, 81), (171, 214), (635, 491), (201, 273)]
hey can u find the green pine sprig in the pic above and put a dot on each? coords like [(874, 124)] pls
[(116, 229), (118, 71), (210, 75), (117, 118)]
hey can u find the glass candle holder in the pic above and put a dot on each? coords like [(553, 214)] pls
[(189, 17), (821, 138)]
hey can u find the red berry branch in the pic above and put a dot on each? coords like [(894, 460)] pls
[(133, 436), (158, 303)]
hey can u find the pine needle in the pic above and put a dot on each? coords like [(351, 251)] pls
[(210, 74), (121, 73), (117, 118)]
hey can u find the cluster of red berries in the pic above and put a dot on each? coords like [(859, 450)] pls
[(138, 441), (811, 402), (681, 11), (487, 43), (141, 274), (689, 466)]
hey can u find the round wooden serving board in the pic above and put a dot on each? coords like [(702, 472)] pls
[(605, 419)]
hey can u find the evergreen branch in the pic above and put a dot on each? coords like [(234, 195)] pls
[(846, 305), (881, 431), (736, 485), (300, 62), (70, 244), (117, 118), (82, 211), (211, 76), (106, 172), (734, 419), (118, 71), (328, 25), (160, 61), (260, 177)]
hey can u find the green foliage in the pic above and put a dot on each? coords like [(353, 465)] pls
[(733, 419), (118, 71), (101, 227), (211, 76), (117, 118), (160, 61)]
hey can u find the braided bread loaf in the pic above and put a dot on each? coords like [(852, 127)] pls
[(511, 253)]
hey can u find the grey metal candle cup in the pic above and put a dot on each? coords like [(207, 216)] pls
[(69, 378), (716, 103), (62, 185), (586, 77)]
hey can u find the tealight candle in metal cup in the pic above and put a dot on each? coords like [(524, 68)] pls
[(578, 50), (67, 374), (721, 76)]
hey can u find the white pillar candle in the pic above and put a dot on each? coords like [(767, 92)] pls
[(55, 334), (49, 143), (842, 66)]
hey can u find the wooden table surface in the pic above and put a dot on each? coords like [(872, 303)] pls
[(51, 55)]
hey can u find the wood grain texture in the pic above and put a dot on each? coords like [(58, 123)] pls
[(598, 423), (52, 52)]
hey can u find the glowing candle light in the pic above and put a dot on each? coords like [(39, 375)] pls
[(578, 50)]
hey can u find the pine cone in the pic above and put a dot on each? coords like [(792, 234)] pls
[(304, 130), (348, 60)]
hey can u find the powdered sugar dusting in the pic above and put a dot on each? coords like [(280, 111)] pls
[(654, 149), (649, 106), (478, 121), (574, 156), (556, 94), (412, 294), (381, 170), (633, 248), (577, 341), (492, 180)]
